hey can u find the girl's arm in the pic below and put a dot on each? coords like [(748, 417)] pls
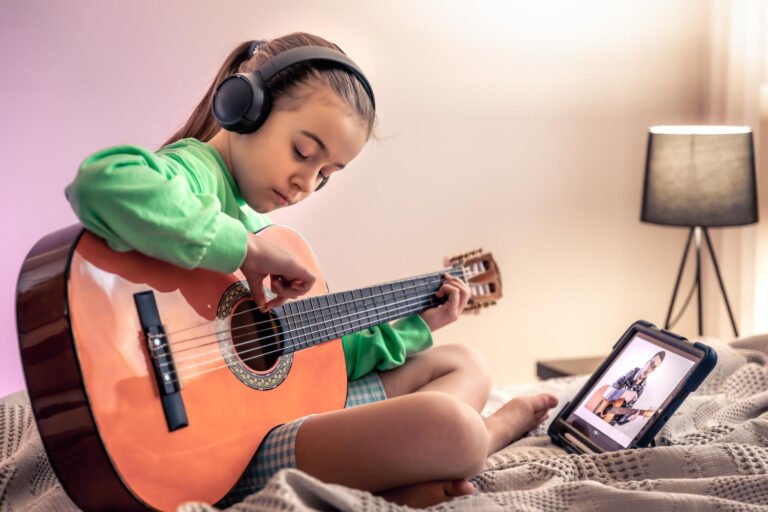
[(135, 199), (179, 208), (386, 346)]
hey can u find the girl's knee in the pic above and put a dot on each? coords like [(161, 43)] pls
[(456, 433), (470, 359)]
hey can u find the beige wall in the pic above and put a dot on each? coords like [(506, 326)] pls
[(519, 127)]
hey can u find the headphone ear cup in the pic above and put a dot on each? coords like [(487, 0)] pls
[(241, 103)]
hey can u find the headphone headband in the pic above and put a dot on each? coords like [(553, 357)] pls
[(242, 103), (301, 54)]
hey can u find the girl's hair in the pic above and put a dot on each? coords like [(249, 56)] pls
[(202, 125)]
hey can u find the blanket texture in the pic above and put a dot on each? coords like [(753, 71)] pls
[(711, 455)]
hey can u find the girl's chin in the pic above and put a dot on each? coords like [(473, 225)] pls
[(260, 207)]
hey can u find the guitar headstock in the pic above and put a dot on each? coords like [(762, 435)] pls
[(482, 275)]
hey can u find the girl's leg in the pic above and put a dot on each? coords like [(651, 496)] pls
[(458, 370), (463, 373), (405, 440), (411, 439), (418, 448)]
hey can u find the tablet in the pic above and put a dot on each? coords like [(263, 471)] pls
[(634, 391)]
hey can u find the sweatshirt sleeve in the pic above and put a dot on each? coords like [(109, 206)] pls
[(385, 346), (136, 200)]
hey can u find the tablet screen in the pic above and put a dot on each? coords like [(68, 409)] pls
[(634, 390)]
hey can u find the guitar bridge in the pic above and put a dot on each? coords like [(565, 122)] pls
[(162, 361)]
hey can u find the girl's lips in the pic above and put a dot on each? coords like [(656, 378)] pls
[(280, 199)]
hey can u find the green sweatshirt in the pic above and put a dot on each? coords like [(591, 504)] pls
[(181, 205)]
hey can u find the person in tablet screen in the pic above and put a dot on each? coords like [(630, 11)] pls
[(616, 407)]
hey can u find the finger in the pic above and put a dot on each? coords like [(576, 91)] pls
[(290, 293), (283, 289), (297, 285), (277, 286), (465, 295), (453, 300), (455, 279), (275, 302), (257, 292), (462, 288), (303, 278)]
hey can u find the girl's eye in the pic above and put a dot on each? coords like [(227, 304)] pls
[(298, 154), (324, 180)]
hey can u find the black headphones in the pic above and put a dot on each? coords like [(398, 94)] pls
[(241, 103)]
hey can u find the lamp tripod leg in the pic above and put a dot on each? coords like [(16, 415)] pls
[(679, 276), (720, 280), (697, 238)]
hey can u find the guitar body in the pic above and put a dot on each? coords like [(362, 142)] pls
[(608, 410), (96, 397), (596, 398)]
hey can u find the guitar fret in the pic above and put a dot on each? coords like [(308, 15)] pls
[(327, 330), (306, 330), (299, 307), (317, 311), (307, 319), (356, 320), (370, 311), (289, 337), (320, 332), (348, 310), (399, 295), (357, 295), (308, 307), (391, 301), (334, 314), (378, 305)]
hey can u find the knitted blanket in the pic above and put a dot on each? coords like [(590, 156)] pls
[(711, 455)]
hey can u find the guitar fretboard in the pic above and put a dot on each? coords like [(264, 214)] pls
[(318, 319)]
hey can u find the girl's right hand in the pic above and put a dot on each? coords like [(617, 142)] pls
[(288, 278)]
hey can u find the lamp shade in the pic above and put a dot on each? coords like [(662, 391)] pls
[(700, 176)]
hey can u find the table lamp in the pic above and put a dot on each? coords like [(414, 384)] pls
[(699, 177)]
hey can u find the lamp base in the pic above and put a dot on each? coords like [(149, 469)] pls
[(695, 234)]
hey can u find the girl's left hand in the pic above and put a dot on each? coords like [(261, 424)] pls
[(458, 297)]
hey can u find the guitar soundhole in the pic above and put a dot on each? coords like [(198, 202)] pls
[(255, 337)]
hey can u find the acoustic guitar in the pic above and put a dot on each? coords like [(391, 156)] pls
[(153, 385), (609, 409)]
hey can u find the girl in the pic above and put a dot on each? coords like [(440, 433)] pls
[(412, 431)]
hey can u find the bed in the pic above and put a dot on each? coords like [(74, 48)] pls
[(711, 455)]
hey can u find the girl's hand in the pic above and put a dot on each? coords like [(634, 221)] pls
[(458, 297), (288, 278)]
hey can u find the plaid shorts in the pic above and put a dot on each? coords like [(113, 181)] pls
[(277, 450)]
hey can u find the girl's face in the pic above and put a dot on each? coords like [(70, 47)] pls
[(295, 150)]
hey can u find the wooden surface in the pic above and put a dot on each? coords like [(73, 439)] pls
[(552, 368)]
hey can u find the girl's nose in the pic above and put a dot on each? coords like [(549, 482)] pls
[(305, 179)]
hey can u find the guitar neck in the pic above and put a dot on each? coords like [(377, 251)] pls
[(322, 318), (626, 410)]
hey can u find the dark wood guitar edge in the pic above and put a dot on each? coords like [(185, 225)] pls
[(59, 400)]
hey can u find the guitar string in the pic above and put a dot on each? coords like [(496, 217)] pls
[(227, 364), (277, 333), (291, 315), (425, 276)]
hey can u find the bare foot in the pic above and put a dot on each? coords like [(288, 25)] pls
[(427, 494), (515, 418)]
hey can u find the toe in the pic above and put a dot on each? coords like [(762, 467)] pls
[(459, 488)]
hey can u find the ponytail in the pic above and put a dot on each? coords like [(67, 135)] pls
[(201, 124)]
